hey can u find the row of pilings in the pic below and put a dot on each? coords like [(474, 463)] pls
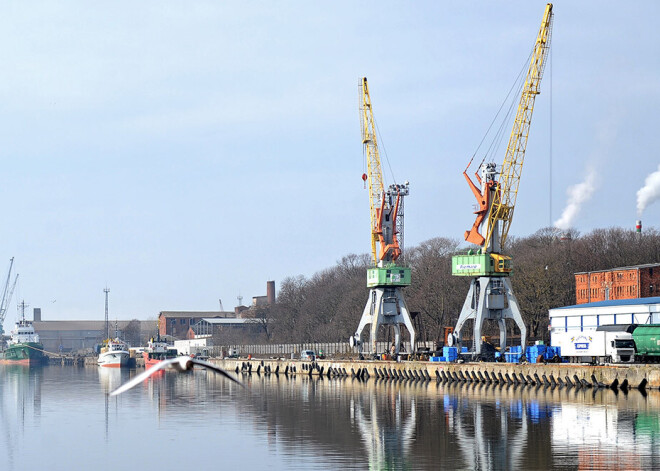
[(615, 377)]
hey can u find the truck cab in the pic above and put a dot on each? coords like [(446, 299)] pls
[(621, 347)]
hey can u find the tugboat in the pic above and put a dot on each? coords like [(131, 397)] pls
[(157, 351), (23, 347)]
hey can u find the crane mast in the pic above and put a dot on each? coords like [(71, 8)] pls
[(386, 305), (490, 295)]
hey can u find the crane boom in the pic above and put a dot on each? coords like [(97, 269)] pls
[(385, 206), (504, 200), (374, 175), (9, 296), (4, 302)]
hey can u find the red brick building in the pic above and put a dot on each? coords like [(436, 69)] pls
[(640, 281)]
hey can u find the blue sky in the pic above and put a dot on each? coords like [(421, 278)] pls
[(185, 152)]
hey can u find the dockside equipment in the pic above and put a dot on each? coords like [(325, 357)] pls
[(386, 279), (490, 295)]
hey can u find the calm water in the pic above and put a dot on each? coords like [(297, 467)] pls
[(60, 418)]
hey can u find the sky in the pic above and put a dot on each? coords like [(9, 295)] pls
[(182, 153)]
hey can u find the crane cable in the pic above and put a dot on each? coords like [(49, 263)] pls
[(381, 145), (517, 86)]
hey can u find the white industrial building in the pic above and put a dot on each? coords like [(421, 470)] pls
[(590, 316)]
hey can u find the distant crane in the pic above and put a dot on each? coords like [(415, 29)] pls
[(386, 305), (7, 294), (490, 295)]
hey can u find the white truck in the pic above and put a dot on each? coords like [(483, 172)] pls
[(606, 344)]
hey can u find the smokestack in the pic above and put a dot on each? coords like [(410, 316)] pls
[(36, 314), (270, 292), (638, 226)]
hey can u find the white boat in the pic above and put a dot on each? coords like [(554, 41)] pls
[(114, 354)]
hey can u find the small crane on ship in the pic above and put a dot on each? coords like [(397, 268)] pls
[(490, 295), (386, 304)]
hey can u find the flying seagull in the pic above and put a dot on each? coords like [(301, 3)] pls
[(183, 363)]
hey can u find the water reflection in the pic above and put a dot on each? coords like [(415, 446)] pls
[(387, 425), (293, 423), (464, 426), (20, 400)]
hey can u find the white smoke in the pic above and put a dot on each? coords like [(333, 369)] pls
[(577, 196), (649, 192)]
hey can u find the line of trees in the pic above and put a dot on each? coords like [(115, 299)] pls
[(327, 306)]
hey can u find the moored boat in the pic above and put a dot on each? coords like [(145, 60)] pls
[(114, 354), (24, 346), (157, 351)]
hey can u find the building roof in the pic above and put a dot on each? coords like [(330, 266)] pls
[(220, 320), (632, 267), (42, 326), (210, 314), (616, 302)]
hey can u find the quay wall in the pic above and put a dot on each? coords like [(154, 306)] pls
[(551, 374)]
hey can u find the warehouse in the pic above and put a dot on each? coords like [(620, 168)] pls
[(589, 316)]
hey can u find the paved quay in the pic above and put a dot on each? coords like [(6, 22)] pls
[(551, 374)]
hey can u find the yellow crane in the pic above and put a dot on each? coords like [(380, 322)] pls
[(504, 201), (386, 305), (490, 295), (374, 175), (384, 206)]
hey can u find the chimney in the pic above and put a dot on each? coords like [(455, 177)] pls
[(638, 226), (270, 292), (36, 314)]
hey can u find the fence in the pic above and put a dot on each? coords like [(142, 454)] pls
[(286, 350)]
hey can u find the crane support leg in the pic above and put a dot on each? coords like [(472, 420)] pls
[(513, 312), (490, 298), (386, 306)]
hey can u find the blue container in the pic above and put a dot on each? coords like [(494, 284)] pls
[(550, 352), (435, 358), (515, 349), (512, 357), (464, 349), (450, 352)]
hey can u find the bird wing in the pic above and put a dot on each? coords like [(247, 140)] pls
[(144, 375), (216, 369)]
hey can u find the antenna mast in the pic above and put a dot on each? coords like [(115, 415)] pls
[(107, 324)]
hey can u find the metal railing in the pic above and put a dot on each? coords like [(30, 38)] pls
[(286, 350)]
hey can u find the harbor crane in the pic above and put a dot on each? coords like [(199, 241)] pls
[(7, 294), (386, 304), (490, 295)]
